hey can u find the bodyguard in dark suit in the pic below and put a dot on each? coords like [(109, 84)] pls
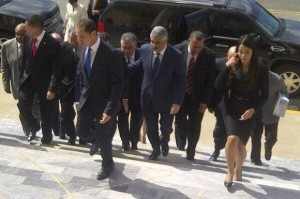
[(162, 90), (200, 64), (100, 78), (67, 91), (41, 76), (130, 131), (217, 106)]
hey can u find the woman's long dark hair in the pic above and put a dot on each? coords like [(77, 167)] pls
[(254, 67)]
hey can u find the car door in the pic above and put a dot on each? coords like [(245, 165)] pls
[(226, 29)]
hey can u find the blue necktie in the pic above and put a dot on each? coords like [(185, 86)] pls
[(87, 63), (156, 64)]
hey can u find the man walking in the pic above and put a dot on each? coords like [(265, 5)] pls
[(100, 78)]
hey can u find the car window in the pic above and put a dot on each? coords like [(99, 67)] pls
[(263, 18), (137, 18), (229, 25), (197, 21)]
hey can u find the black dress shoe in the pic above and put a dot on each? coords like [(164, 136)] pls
[(126, 147), (228, 184), (31, 136), (165, 148), (71, 141), (154, 155), (268, 156), (94, 148), (256, 162), (134, 146), (268, 152), (44, 141), (105, 172), (63, 137), (181, 148), (82, 142), (214, 156), (190, 157)]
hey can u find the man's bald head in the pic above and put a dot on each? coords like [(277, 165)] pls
[(231, 52), (20, 32), (57, 37)]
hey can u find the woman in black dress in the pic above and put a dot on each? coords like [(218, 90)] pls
[(245, 84)]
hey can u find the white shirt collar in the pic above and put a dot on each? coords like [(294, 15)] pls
[(162, 52), (40, 37), (96, 45)]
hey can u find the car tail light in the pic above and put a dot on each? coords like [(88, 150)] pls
[(101, 27)]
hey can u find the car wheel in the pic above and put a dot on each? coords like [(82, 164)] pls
[(2, 40), (291, 75)]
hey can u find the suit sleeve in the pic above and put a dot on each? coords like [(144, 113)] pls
[(116, 74), (78, 84), (282, 87), (125, 93), (6, 77), (57, 68), (180, 81), (209, 82), (264, 88)]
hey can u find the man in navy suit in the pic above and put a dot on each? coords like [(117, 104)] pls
[(200, 64), (41, 75), (100, 77), (130, 131), (162, 89)]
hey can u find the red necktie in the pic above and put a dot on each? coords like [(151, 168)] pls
[(33, 46), (190, 73)]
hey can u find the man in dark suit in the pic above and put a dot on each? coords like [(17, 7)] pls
[(162, 89), (41, 76), (130, 131), (100, 78), (67, 90), (200, 64), (219, 133)]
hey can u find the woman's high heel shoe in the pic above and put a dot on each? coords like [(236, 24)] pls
[(227, 184)]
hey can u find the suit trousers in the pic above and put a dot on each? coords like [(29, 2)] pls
[(151, 118), (67, 116), (123, 125), (188, 124), (55, 123), (270, 137), (36, 113), (130, 129), (136, 121), (90, 130), (219, 133), (27, 93)]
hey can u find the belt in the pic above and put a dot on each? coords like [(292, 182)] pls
[(241, 99)]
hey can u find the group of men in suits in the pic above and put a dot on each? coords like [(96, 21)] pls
[(155, 82)]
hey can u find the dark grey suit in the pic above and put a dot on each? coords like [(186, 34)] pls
[(101, 93)]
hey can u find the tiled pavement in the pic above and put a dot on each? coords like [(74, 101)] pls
[(63, 171)]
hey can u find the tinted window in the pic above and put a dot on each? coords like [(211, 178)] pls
[(264, 19), (228, 25), (198, 21), (137, 18)]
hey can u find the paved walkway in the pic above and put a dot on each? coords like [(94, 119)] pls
[(63, 171)]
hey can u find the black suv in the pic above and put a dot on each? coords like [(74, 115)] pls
[(222, 22), (13, 12)]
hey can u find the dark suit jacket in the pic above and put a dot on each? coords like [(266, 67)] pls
[(70, 62), (45, 68), (167, 86), (135, 84), (203, 80), (105, 86)]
